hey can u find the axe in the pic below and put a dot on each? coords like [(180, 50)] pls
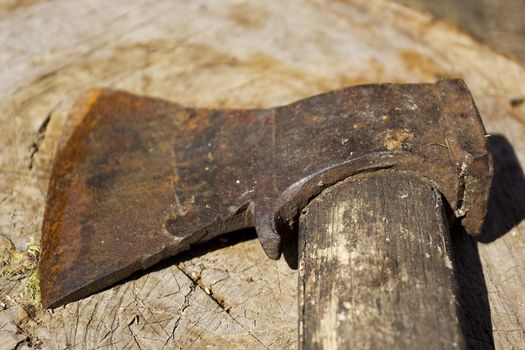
[(368, 178)]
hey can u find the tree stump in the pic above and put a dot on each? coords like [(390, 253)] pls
[(227, 294)]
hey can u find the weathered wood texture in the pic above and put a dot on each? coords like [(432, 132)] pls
[(237, 54), (375, 267), (499, 23)]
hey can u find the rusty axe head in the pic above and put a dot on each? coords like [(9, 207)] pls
[(137, 179)]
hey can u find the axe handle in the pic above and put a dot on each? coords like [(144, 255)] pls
[(375, 267)]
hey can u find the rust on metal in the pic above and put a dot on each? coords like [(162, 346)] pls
[(138, 179)]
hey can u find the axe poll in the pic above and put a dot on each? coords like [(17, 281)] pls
[(369, 177)]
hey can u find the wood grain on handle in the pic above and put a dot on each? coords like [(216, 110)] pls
[(375, 267)]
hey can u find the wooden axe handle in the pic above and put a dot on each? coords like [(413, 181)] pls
[(376, 269)]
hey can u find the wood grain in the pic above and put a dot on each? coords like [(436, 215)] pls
[(375, 267), (499, 23), (238, 54)]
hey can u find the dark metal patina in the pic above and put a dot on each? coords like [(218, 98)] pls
[(138, 179)]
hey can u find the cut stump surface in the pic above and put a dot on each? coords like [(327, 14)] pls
[(227, 294)]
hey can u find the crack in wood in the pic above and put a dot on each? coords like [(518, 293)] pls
[(38, 139), (207, 290), (220, 302)]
